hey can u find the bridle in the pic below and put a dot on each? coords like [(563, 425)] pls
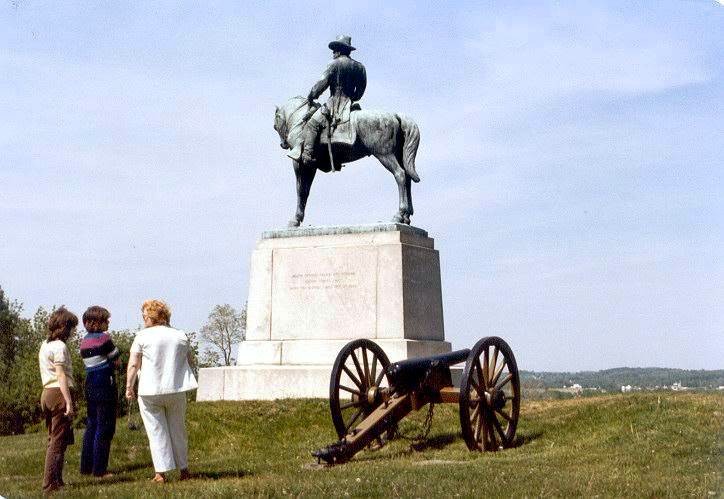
[(290, 119)]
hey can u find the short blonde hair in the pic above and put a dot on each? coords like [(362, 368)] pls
[(157, 311)]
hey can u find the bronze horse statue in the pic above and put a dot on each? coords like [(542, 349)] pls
[(391, 138)]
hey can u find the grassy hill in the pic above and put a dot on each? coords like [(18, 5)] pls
[(646, 444)]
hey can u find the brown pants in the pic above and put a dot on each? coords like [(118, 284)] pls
[(60, 435)]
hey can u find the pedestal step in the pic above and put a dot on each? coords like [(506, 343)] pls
[(323, 352), (270, 382)]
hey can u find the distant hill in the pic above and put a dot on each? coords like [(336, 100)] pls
[(613, 379)]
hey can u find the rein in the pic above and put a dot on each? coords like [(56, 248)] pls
[(299, 123)]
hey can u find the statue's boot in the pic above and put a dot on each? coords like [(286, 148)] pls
[(296, 153), (309, 139)]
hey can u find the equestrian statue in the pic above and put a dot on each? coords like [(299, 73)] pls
[(326, 137)]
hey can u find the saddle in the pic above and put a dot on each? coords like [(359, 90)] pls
[(343, 131)]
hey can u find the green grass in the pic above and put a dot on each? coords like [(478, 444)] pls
[(620, 445)]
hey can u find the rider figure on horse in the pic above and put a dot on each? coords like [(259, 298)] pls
[(347, 80)]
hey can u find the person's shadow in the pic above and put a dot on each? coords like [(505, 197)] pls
[(132, 467), (215, 475)]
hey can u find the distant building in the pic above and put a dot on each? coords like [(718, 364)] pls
[(574, 389), (626, 388), (678, 387)]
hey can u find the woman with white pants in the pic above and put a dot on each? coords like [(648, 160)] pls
[(161, 359)]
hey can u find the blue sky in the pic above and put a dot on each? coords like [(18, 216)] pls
[(571, 161)]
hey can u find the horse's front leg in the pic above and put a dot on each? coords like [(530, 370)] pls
[(299, 215), (305, 177)]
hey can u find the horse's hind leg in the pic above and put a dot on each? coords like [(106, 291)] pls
[(408, 191), (390, 162)]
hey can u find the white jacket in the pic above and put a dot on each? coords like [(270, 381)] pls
[(164, 365)]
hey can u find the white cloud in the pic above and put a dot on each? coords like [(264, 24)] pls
[(566, 51)]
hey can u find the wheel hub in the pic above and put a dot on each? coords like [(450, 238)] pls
[(497, 399), (372, 395)]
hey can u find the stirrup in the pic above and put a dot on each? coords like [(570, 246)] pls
[(296, 153), (306, 158)]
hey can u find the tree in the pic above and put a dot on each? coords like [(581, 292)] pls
[(225, 328), (9, 322), (19, 366), (209, 358)]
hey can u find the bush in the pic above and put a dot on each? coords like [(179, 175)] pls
[(21, 387)]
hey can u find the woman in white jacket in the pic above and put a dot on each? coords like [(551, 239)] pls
[(161, 359)]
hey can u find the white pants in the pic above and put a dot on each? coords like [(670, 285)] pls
[(164, 418)]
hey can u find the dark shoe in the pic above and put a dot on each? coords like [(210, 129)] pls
[(52, 489)]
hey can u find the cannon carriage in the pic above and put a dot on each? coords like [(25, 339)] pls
[(369, 396)]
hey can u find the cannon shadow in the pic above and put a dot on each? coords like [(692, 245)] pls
[(437, 442), (441, 441), (526, 438)]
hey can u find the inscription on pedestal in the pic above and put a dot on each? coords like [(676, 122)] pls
[(324, 280), (334, 297)]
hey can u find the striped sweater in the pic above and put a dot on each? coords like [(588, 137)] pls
[(97, 351)]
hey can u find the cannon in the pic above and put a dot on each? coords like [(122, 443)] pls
[(369, 396)]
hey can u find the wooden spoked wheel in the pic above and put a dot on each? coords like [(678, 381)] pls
[(489, 396), (358, 384)]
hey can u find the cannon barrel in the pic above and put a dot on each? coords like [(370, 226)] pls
[(406, 375)]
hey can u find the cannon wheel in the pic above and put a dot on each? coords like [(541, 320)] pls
[(489, 396), (359, 371)]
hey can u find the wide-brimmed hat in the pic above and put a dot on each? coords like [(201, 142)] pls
[(343, 42)]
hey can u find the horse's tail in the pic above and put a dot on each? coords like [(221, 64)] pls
[(411, 137)]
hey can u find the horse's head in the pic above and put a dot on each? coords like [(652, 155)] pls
[(280, 125), (288, 120)]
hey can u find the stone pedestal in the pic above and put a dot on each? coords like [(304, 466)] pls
[(312, 290)]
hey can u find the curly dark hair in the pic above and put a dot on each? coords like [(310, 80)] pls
[(95, 319), (60, 324)]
